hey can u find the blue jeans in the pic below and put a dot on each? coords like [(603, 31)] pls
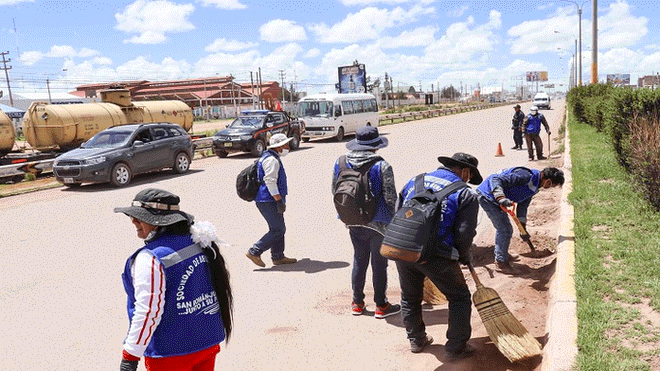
[(366, 243), (274, 238), (503, 228), (447, 276)]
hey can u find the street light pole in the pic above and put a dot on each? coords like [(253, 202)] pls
[(579, 9), (594, 43)]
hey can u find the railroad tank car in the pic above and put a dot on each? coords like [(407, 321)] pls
[(68, 125), (6, 134)]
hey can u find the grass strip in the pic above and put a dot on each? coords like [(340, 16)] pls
[(617, 253)]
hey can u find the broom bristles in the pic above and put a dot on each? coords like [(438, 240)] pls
[(431, 293), (507, 333)]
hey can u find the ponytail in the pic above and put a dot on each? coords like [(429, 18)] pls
[(220, 279)]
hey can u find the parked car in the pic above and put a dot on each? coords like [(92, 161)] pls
[(251, 131), (117, 153)]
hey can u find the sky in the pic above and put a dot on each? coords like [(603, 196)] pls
[(419, 43)]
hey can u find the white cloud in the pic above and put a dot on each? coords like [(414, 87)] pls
[(56, 51), (152, 19), (281, 30), (31, 57), (422, 36), (312, 53), (61, 51), (13, 2), (223, 4), (368, 2), (545, 6), (101, 61), (457, 12), (136, 69), (618, 28), (368, 24), (223, 44)]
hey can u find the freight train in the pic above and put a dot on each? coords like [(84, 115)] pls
[(51, 129)]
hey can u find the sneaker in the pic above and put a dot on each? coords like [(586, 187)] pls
[(504, 267), (514, 147), (255, 259), (542, 158), (417, 346), (514, 257), (531, 159), (467, 351), (358, 309), (284, 260), (387, 310)]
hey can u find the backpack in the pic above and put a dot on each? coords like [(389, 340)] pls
[(352, 197), (247, 182), (411, 232)]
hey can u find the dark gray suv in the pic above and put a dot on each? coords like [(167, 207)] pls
[(117, 153)]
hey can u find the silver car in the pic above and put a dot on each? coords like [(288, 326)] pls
[(117, 153)]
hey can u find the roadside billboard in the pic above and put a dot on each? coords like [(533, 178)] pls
[(537, 75), (352, 79), (619, 78)]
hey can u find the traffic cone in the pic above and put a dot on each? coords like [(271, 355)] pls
[(499, 150), (279, 107)]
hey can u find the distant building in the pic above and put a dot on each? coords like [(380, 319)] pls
[(649, 81)]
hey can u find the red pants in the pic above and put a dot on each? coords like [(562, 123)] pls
[(204, 360)]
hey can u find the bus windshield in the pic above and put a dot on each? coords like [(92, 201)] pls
[(320, 108)]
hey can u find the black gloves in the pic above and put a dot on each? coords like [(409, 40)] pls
[(281, 207), (505, 202), (127, 365)]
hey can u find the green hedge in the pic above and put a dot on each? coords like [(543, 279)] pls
[(631, 118)]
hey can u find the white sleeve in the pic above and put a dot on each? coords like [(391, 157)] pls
[(271, 170), (149, 285)]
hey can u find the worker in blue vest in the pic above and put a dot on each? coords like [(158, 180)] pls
[(179, 297), (519, 185), (532, 126)]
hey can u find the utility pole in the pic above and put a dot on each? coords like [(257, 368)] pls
[(282, 75), (48, 85), (387, 94), (233, 99), (261, 83), (594, 43), (252, 89), (4, 67)]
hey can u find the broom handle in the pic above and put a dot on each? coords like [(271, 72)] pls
[(519, 225), (474, 275)]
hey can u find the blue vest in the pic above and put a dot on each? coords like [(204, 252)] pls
[(436, 181), (533, 124), (518, 193), (191, 318), (383, 213), (263, 195)]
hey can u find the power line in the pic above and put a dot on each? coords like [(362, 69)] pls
[(5, 68)]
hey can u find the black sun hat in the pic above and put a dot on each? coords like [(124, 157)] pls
[(462, 160), (156, 207), (367, 138)]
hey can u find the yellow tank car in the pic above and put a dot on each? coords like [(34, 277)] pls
[(6, 134)]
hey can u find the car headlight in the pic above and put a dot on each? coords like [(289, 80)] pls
[(94, 160), (246, 137)]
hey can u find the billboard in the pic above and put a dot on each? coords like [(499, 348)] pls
[(619, 78), (352, 79), (537, 75)]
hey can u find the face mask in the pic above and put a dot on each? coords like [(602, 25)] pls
[(284, 152)]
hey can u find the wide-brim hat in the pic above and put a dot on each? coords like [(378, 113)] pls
[(516, 106), (278, 140), (367, 138), (462, 160), (156, 207)]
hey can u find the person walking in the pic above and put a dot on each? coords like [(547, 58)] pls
[(532, 126), (517, 127), (454, 231), (271, 202), (519, 185), (179, 295), (367, 238)]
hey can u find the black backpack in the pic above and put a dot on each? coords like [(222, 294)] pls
[(352, 197), (411, 231), (247, 182)]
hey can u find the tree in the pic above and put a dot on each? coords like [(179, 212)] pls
[(450, 92)]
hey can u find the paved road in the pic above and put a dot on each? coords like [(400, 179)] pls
[(63, 252)]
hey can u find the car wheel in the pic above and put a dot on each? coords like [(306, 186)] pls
[(295, 142), (368, 124), (120, 175), (72, 185), (340, 134), (221, 154), (259, 148), (181, 163), (306, 139)]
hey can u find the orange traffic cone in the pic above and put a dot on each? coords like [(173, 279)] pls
[(279, 107), (499, 150)]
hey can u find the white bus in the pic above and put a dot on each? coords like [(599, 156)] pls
[(335, 115)]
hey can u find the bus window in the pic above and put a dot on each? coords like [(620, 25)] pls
[(348, 107), (337, 111)]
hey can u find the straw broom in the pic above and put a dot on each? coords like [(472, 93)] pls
[(507, 333), (431, 293)]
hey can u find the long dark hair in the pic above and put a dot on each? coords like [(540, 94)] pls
[(219, 275)]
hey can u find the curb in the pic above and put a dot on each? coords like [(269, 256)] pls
[(561, 349)]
